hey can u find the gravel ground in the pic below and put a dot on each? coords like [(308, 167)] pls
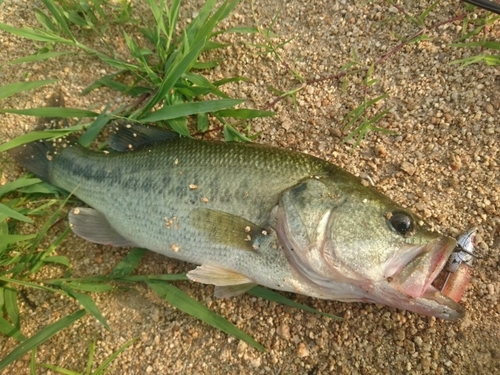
[(443, 164)]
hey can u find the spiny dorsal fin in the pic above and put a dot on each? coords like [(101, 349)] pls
[(225, 228), (127, 137)]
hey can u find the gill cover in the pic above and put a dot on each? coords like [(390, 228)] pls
[(304, 226)]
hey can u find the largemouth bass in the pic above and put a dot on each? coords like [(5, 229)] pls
[(250, 214)]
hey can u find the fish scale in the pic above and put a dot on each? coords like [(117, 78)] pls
[(250, 214), (152, 186)]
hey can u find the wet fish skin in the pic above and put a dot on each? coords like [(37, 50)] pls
[(251, 214), (152, 186)]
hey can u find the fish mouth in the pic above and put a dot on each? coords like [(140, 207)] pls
[(415, 280), (419, 273)]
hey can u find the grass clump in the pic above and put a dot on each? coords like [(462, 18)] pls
[(164, 75), (477, 28)]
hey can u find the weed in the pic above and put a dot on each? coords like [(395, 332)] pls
[(165, 77)]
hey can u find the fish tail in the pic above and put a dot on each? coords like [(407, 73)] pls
[(36, 157)]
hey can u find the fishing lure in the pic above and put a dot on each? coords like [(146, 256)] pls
[(459, 266)]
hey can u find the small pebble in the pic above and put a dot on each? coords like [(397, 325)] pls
[(302, 351), (408, 168), (284, 331), (491, 289)]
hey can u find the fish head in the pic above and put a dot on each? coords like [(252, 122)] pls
[(353, 243)]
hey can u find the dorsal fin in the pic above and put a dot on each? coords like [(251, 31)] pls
[(127, 137)]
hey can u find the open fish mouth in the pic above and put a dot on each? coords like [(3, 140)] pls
[(417, 276), (415, 280)]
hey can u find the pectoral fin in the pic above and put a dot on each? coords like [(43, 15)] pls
[(227, 283), (93, 226), (224, 228)]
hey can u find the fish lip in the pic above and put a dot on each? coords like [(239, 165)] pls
[(411, 288), (416, 277)]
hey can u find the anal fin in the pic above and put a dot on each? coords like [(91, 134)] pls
[(93, 226), (232, 290)]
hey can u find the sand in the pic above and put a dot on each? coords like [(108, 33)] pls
[(442, 163)]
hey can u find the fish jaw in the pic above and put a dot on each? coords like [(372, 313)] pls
[(411, 287), (418, 274)]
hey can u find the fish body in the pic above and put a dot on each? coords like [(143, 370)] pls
[(250, 214)]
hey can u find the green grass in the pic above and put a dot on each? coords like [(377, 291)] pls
[(100, 370), (489, 50), (362, 120), (165, 78)]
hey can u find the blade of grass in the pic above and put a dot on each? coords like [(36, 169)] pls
[(128, 264), (202, 123), (186, 109), (4, 229), (276, 297), (6, 210), (39, 57), (45, 21), (32, 137), (52, 112), (40, 337), (14, 88), (27, 284), (6, 239), (93, 130), (36, 35), (90, 360), (10, 300), (88, 286), (167, 277), (59, 369), (201, 81), (9, 330), (101, 369), (39, 260), (183, 302), (232, 135), (59, 17), (18, 184), (230, 80), (42, 188), (179, 125), (88, 304), (57, 259), (33, 362), (173, 76)]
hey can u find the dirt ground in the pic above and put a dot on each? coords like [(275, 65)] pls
[(443, 164)]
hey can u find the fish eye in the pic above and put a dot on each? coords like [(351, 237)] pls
[(400, 222)]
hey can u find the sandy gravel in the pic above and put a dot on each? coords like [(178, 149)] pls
[(443, 164)]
